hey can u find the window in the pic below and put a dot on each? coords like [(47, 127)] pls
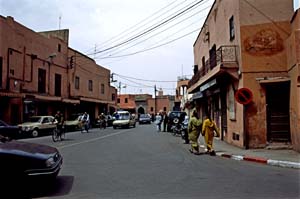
[(59, 48), (203, 61), (102, 89), (152, 109), (126, 100), (90, 85), (77, 82), (119, 100), (57, 85), (231, 104), (113, 97), (231, 28), (42, 81), (165, 109), (1, 63)]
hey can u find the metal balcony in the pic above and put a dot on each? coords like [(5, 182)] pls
[(225, 56)]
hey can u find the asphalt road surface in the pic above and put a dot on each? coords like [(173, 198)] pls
[(142, 163)]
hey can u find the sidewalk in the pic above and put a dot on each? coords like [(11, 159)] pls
[(276, 157)]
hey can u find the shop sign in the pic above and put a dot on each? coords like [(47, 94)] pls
[(208, 85)]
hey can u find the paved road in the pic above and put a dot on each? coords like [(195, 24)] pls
[(141, 163)]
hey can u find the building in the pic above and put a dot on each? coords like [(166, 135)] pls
[(181, 91), (145, 103), (246, 73), (40, 74)]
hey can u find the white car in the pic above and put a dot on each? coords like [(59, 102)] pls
[(123, 119), (37, 125)]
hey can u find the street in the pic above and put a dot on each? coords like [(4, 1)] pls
[(142, 163)]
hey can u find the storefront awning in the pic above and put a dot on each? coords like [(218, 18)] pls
[(10, 94), (94, 100), (71, 101), (46, 98)]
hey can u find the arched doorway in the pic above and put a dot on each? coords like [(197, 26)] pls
[(141, 110)]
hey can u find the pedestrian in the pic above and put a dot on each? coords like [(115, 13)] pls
[(194, 128), (165, 121), (85, 119), (158, 120), (209, 129)]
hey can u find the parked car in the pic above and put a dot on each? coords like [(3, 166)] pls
[(172, 115), (38, 125), (145, 119), (123, 119), (9, 130), (27, 161), (73, 123)]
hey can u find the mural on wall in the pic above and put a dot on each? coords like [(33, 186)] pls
[(264, 43)]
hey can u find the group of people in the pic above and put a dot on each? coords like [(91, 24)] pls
[(161, 118), (60, 121), (208, 129)]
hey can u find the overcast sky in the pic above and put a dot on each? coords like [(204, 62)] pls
[(139, 41)]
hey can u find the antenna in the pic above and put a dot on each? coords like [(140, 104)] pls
[(59, 22)]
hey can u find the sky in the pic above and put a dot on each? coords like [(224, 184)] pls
[(144, 43)]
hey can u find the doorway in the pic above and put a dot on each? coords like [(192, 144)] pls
[(278, 118)]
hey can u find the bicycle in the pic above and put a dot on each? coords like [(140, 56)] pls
[(58, 134), (84, 125)]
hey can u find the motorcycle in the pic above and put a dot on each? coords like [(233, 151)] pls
[(184, 131), (176, 128)]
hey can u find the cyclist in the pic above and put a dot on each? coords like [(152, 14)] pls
[(102, 121), (60, 122)]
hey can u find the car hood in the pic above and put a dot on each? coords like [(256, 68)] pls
[(27, 149), (72, 122), (28, 124), (120, 121)]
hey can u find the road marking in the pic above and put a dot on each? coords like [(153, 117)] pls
[(93, 140)]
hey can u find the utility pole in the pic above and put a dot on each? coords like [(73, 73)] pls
[(155, 105)]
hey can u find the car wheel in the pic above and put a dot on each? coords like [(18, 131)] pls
[(114, 127), (35, 133)]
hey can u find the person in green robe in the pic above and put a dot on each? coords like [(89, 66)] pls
[(194, 129)]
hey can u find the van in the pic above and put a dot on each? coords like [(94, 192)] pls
[(123, 119)]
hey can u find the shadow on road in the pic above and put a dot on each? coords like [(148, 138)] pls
[(60, 187)]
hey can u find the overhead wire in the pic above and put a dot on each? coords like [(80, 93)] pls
[(163, 31), (133, 28), (147, 31)]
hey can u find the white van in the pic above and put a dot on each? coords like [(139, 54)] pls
[(123, 119)]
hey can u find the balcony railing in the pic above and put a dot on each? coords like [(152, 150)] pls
[(222, 56)]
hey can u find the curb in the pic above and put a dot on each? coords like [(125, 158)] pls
[(279, 163)]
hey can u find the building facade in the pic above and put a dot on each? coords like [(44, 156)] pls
[(38, 76), (145, 103), (243, 76)]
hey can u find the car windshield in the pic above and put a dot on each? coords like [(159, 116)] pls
[(144, 116), (35, 119), (122, 116)]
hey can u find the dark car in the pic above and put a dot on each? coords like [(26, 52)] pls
[(28, 161), (145, 119), (9, 130), (172, 115)]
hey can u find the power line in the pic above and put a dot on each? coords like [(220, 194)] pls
[(149, 30), (133, 28), (183, 28), (144, 50), (145, 80)]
